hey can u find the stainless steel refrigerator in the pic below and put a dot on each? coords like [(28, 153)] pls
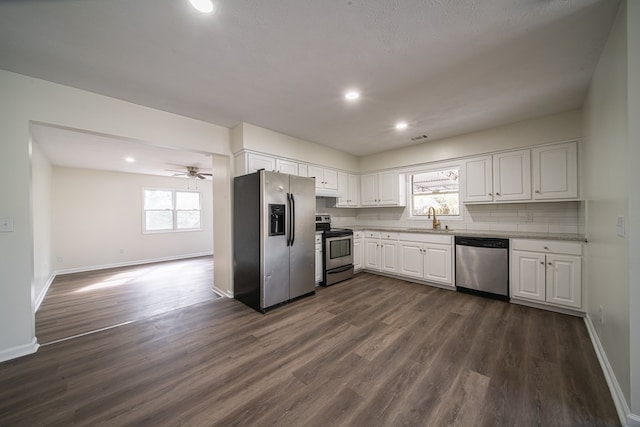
[(274, 238)]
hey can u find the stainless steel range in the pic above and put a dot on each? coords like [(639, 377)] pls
[(337, 244)]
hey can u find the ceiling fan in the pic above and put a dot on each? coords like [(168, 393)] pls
[(191, 172)]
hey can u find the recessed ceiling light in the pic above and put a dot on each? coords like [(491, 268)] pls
[(129, 159), (204, 6), (352, 95), (402, 125)]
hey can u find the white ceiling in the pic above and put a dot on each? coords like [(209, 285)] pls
[(447, 67)]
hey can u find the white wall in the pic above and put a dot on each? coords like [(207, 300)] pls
[(26, 99), (555, 128), (633, 59), (609, 178), (97, 220), (41, 190)]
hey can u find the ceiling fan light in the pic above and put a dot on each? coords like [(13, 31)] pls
[(204, 6), (402, 125)]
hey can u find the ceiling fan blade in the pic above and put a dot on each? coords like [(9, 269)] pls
[(205, 174), (200, 176)]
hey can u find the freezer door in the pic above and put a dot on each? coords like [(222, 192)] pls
[(275, 255), (303, 237)]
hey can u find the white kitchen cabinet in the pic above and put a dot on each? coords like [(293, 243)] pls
[(381, 251), (358, 248), (326, 179), (547, 271), (383, 189), (255, 162), (512, 176), (319, 259), (348, 190), (477, 175), (555, 171), (286, 166), (428, 257), (303, 169)]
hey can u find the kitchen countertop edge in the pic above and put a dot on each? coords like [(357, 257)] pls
[(477, 233)]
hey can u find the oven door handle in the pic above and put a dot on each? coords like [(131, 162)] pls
[(339, 269)]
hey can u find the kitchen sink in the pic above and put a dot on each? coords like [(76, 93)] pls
[(429, 230)]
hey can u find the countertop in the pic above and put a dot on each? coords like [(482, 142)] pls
[(479, 233)]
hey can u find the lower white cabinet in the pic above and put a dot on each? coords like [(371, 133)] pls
[(358, 246), (549, 272), (381, 251), (427, 257), (319, 260)]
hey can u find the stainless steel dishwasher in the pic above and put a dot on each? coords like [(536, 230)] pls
[(482, 266)]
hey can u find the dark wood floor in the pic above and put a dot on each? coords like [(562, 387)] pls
[(372, 351), (82, 302)]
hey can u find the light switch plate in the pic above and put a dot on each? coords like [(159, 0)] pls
[(620, 226), (6, 225)]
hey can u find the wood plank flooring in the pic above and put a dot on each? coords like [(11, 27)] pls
[(371, 351), (82, 302)]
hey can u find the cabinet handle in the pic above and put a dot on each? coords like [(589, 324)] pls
[(491, 194), (538, 191), (546, 248), (497, 194), (550, 264), (542, 262)]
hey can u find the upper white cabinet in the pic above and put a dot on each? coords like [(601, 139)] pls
[(512, 176), (555, 171), (326, 179), (255, 162), (383, 189), (286, 166), (551, 171), (348, 190), (477, 176)]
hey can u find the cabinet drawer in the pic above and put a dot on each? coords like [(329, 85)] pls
[(426, 238), (386, 235), (358, 234), (372, 234), (547, 246), (318, 239)]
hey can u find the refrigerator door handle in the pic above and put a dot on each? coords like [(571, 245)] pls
[(288, 232), (293, 219)]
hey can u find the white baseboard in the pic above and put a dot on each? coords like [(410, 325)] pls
[(130, 263), (19, 351), (622, 407), (43, 292), (221, 292)]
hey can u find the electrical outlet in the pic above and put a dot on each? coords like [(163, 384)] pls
[(6, 225), (601, 315), (620, 226)]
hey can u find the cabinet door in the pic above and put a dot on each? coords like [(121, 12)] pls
[(372, 254), (555, 172), (303, 170), (438, 263), (319, 272), (285, 166), (512, 176), (330, 179), (343, 189), (354, 190), (389, 256), (369, 189), (564, 280), (478, 180), (411, 259), (318, 174), (357, 254), (256, 162), (528, 275), (388, 186)]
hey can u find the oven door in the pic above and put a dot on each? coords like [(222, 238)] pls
[(338, 251)]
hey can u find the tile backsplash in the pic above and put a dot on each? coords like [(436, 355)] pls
[(543, 217)]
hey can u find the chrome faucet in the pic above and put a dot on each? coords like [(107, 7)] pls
[(436, 223)]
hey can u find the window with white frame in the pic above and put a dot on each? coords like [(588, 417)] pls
[(438, 189), (171, 210)]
